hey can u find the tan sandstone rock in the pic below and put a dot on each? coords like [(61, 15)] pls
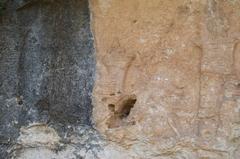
[(168, 77)]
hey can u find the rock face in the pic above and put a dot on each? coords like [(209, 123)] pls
[(168, 77), (167, 83), (47, 68)]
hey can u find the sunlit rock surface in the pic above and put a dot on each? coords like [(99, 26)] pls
[(168, 77)]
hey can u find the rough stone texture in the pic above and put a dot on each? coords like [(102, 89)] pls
[(168, 77), (47, 68)]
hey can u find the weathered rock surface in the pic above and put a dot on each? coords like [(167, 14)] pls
[(168, 77), (47, 68)]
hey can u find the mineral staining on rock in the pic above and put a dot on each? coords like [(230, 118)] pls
[(47, 68), (180, 60)]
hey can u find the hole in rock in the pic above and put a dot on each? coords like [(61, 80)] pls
[(121, 110), (126, 107), (111, 107), (19, 100)]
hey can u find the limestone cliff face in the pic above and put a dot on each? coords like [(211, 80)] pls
[(161, 82), (168, 83)]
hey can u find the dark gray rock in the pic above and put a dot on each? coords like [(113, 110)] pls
[(47, 66)]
